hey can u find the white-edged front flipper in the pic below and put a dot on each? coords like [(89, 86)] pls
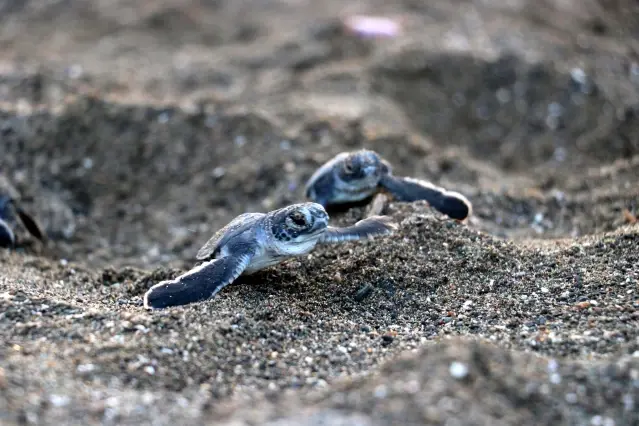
[(366, 228), (198, 284), (7, 238), (452, 204)]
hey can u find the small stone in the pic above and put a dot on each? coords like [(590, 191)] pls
[(285, 145), (503, 95), (218, 172), (458, 370), (289, 167), (578, 75), (59, 400), (163, 117), (363, 292), (380, 392), (85, 368), (412, 387), (571, 398), (75, 71), (387, 339)]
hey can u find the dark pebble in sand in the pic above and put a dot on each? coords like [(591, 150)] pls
[(364, 292), (387, 339)]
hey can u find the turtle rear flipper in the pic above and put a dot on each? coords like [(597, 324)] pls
[(198, 284), (452, 204), (7, 238), (366, 228), (30, 223)]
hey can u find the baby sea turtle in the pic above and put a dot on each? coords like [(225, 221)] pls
[(254, 241), (10, 209), (355, 176)]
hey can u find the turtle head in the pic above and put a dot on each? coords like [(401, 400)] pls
[(360, 166), (297, 228), (361, 170)]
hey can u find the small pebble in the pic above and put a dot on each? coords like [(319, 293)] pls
[(210, 121), (218, 172), (59, 400), (285, 145), (458, 370), (503, 95), (372, 26), (578, 75), (364, 292), (163, 117), (75, 71), (571, 398), (85, 368), (387, 339), (289, 167), (555, 378), (380, 392)]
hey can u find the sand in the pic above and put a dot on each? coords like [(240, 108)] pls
[(133, 131)]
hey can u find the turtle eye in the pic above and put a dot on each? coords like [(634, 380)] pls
[(298, 219), (348, 167)]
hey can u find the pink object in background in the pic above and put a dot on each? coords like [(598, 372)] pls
[(372, 26)]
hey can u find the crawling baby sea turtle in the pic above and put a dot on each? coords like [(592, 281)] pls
[(254, 241), (10, 210), (355, 176)]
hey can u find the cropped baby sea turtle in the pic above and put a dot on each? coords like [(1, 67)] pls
[(254, 241), (355, 176), (10, 211)]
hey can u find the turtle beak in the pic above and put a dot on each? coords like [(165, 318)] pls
[(370, 170)]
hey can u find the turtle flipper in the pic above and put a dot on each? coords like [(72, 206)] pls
[(198, 284), (30, 223), (450, 203), (320, 187), (7, 238), (366, 228)]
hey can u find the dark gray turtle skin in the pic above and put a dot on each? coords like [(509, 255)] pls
[(355, 176), (10, 212), (254, 241)]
